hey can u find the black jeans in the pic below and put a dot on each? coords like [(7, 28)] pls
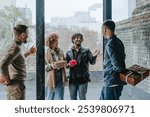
[(111, 93)]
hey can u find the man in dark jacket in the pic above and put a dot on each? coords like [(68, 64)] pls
[(79, 73), (114, 63)]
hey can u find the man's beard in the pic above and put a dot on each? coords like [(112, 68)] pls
[(25, 41), (78, 43)]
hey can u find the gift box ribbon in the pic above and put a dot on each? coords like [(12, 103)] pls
[(131, 72)]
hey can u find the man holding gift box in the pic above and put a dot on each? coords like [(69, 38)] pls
[(114, 63), (78, 59)]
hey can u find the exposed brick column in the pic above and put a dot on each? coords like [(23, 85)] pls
[(135, 33)]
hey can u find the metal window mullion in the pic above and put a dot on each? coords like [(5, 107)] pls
[(40, 62)]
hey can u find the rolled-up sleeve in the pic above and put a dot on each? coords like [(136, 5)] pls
[(48, 67)]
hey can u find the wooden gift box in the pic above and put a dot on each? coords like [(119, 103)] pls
[(134, 74)]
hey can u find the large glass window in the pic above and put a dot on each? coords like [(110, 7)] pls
[(122, 9), (15, 12), (82, 16)]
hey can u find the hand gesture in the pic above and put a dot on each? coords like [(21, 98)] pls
[(96, 53), (32, 50), (72, 63), (4, 80), (53, 65)]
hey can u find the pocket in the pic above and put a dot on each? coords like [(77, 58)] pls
[(16, 91)]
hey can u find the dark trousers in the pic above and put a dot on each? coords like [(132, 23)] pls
[(111, 93)]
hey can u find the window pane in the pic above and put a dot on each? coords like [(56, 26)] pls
[(82, 16), (19, 12), (122, 9)]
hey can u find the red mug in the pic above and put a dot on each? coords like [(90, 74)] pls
[(73, 62)]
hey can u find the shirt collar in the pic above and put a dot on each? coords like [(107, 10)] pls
[(73, 48), (113, 36), (18, 41)]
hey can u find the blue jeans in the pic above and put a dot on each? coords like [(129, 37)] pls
[(56, 94), (111, 93), (78, 88)]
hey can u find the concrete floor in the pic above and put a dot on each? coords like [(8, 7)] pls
[(30, 90), (92, 94), (94, 89)]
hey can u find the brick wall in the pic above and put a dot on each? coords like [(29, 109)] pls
[(135, 34)]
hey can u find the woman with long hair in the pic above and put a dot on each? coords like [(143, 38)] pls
[(55, 69)]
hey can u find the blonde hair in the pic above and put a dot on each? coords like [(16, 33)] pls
[(50, 39)]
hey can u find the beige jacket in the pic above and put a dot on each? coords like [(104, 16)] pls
[(49, 58)]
